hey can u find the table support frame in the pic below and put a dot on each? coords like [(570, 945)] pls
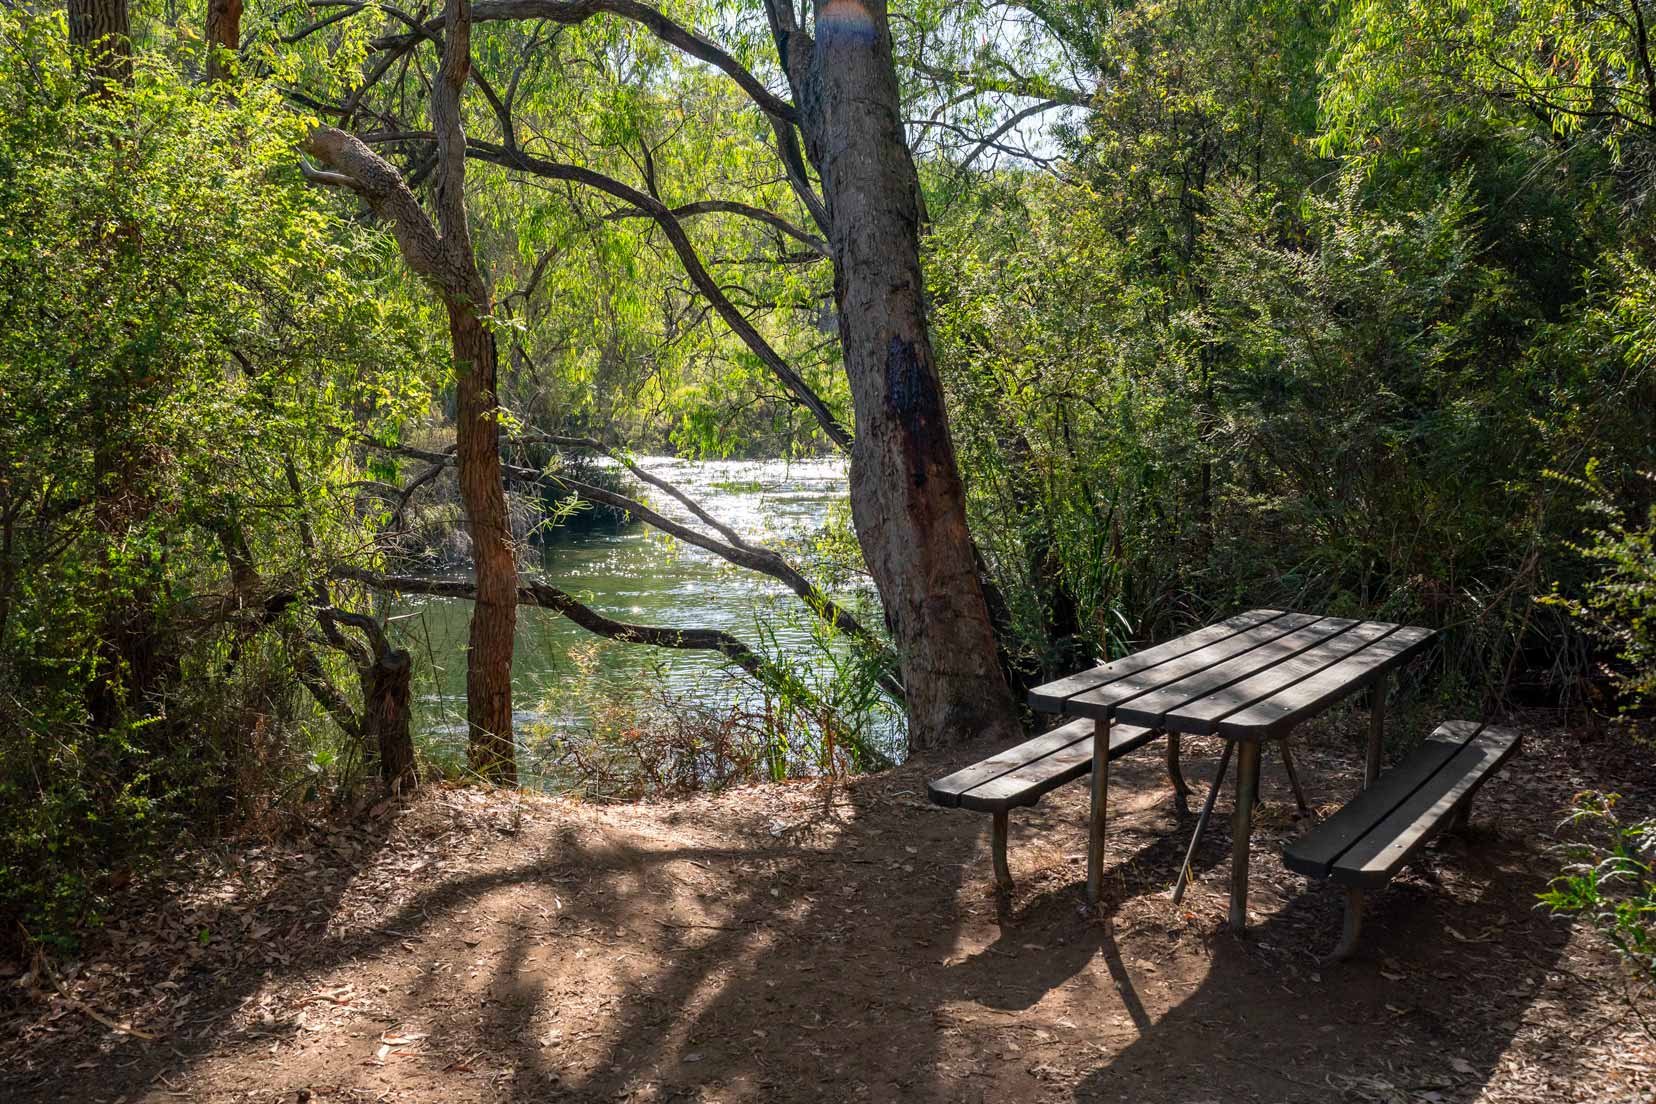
[(1247, 788), (1100, 800)]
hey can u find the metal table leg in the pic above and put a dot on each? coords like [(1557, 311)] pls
[(1201, 823), (1095, 823), (1377, 728), (1247, 786), (1293, 777)]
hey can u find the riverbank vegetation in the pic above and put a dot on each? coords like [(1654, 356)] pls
[(1125, 317)]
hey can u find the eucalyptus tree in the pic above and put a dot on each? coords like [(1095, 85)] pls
[(102, 29)]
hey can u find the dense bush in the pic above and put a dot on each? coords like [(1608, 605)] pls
[(1239, 351), (190, 339)]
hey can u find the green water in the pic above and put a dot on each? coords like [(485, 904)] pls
[(566, 680)]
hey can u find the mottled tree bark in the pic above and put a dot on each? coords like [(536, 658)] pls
[(494, 614), (387, 696), (223, 34), (103, 28), (907, 499)]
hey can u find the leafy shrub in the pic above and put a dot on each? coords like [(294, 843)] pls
[(1618, 606), (1610, 878), (184, 323)]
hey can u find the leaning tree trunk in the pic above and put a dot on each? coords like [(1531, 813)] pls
[(494, 615), (907, 499), (103, 28), (223, 34), (387, 691)]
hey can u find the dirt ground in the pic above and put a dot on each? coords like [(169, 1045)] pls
[(843, 942)]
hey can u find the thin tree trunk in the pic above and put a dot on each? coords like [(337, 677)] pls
[(907, 499), (494, 616), (223, 34), (442, 255), (103, 28)]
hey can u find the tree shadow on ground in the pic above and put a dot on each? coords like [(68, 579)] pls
[(857, 951)]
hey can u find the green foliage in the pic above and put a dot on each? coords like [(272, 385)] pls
[(1610, 878), (1618, 603), (184, 320), (1282, 333)]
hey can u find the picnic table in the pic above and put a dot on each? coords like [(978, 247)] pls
[(1248, 679)]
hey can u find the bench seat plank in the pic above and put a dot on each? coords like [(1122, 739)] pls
[(1314, 854), (1373, 860), (1025, 785), (947, 790), (1366, 842), (1021, 775)]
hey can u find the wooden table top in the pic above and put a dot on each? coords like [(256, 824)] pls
[(1250, 677)]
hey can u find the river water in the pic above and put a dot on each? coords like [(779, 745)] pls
[(566, 680)]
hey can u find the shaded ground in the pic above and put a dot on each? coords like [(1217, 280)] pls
[(837, 942)]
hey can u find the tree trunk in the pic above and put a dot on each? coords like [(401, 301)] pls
[(907, 499), (103, 28), (443, 256), (387, 691), (223, 34), (494, 615)]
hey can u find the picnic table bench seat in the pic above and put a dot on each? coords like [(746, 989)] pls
[(1021, 775), (1364, 844)]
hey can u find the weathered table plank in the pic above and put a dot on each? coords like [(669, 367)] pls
[(1157, 707), (1051, 697), (1103, 700), (1277, 714), (1203, 716)]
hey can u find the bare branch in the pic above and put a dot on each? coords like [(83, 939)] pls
[(730, 207), (797, 388), (569, 12)]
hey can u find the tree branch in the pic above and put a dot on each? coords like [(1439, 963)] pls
[(733, 549), (569, 12), (730, 207), (797, 388)]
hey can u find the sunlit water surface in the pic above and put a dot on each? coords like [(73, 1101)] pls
[(566, 680)]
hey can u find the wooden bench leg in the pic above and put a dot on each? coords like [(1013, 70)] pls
[(1461, 818), (1353, 926), (997, 847), (1181, 792)]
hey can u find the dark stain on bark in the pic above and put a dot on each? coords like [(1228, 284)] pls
[(911, 394)]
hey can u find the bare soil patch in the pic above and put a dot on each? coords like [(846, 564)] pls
[(843, 941)]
